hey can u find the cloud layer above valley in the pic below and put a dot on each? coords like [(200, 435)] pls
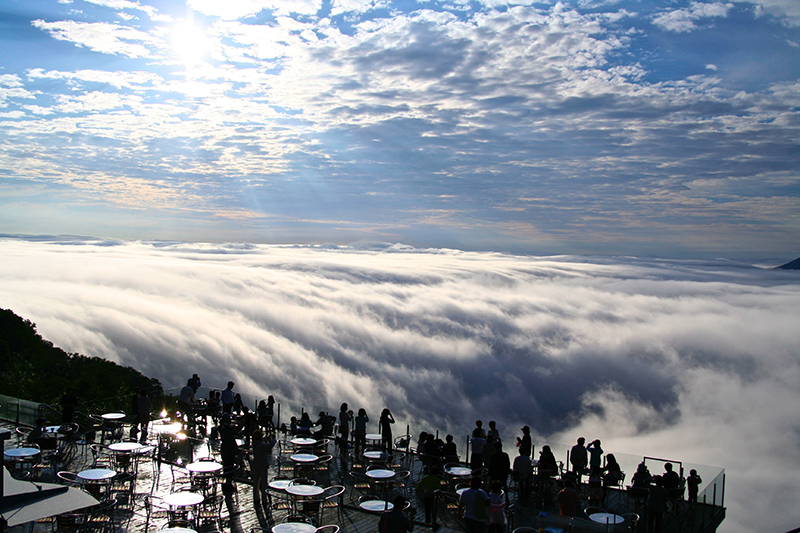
[(697, 361), (655, 127)]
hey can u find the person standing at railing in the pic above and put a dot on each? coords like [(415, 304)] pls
[(68, 404)]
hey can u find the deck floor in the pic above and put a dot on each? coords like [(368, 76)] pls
[(159, 476)]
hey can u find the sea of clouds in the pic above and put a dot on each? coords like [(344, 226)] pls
[(697, 361)]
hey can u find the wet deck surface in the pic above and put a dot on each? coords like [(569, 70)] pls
[(162, 472)]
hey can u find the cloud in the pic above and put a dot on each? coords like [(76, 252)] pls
[(684, 19), (694, 361), (101, 37)]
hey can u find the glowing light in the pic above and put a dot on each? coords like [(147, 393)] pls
[(190, 43)]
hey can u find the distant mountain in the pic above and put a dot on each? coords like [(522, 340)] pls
[(791, 265)]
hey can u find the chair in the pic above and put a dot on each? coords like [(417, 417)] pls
[(525, 530), (180, 476), (69, 522), (100, 459), (154, 508), (296, 517), (211, 510), (332, 498), (593, 509), (123, 485), (69, 479), (630, 520), (361, 484), (399, 481), (328, 529), (101, 517)]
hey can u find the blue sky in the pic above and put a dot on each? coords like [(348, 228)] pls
[(643, 128)]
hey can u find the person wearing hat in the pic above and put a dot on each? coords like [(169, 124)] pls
[(395, 521), (524, 443)]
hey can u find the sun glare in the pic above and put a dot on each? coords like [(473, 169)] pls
[(190, 43)]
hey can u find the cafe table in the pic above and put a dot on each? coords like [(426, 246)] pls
[(376, 506), (459, 471), (606, 518), (303, 441), (375, 455), (373, 438), (380, 474), (21, 453), (124, 447), (294, 527)]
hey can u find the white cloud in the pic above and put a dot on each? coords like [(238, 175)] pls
[(689, 360), (684, 19), (101, 37)]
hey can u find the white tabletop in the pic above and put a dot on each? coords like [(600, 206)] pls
[(178, 530), (160, 428), (303, 441), (380, 474), (21, 452), (112, 416), (373, 436), (459, 471), (52, 429), (375, 455), (204, 467), (124, 446), (97, 474), (606, 518), (304, 490), (304, 457), (294, 527), (183, 499), (376, 506), (279, 484)]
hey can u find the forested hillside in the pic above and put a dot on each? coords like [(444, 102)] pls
[(33, 369)]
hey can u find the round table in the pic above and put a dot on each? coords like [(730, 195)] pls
[(294, 527), (304, 458), (204, 467), (177, 530), (97, 474), (279, 484), (606, 518), (459, 471), (112, 416), (165, 429), (183, 499), (306, 491), (303, 441), (380, 473), (373, 437), (375, 455), (125, 447), (376, 506), (20, 453)]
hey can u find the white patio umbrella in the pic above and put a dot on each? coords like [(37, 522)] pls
[(25, 501)]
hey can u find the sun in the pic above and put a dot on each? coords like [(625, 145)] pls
[(190, 43)]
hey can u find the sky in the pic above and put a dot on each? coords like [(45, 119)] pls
[(692, 360), (647, 128)]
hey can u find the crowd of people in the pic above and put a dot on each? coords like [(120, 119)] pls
[(487, 459)]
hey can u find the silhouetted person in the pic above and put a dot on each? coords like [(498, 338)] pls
[(524, 443), (227, 397), (68, 404), (395, 521), (569, 501), (475, 503), (385, 424), (656, 503), (579, 458), (693, 483), (499, 464)]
